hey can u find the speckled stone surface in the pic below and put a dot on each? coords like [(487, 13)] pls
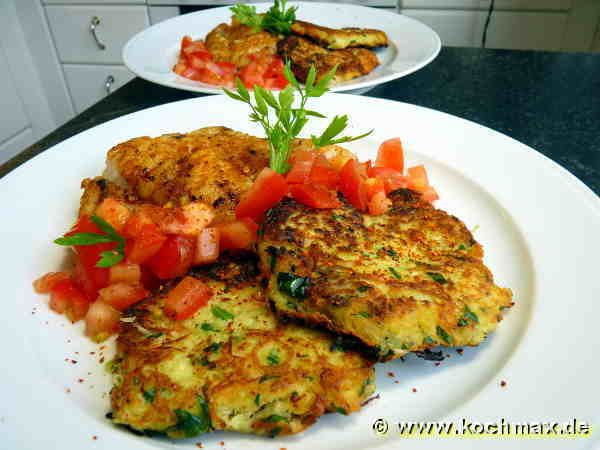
[(549, 101)]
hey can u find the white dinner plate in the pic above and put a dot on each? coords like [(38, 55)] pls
[(152, 53), (538, 225)]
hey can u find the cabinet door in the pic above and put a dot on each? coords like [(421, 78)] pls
[(14, 118), (114, 25), (89, 84)]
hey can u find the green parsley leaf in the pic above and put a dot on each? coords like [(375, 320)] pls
[(364, 314), (363, 288), (275, 431), (83, 239), (149, 395), (247, 15), (221, 313), (437, 277), (191, 425), (468, 316), (340, 410), (443, 334), (212, 348), (293, 285), (273, 357), (257, 400), (428, 340), (208, 327), (395, 273), (267, 378), (275, 418)]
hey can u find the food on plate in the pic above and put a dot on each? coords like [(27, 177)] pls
[(350, 62), (334, 39), (407, 280), (232, 365), (253, 48)]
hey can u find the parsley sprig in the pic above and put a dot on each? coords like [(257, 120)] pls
[(278, 19), (108, 258), (288, 121)]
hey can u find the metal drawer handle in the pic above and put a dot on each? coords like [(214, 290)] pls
[(93, 25), (110, 80)]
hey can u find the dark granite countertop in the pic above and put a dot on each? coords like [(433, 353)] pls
[(549, 101)]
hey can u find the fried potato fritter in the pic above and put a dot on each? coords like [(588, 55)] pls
[(351, 62), (336, 39), (232, 366), (236, 42), (407, 280)]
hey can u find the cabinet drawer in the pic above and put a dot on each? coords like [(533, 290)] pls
[(75, 42), (88, 84)]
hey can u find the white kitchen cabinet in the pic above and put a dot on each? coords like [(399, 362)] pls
[(15, 121), (94, 34), (88, 83)]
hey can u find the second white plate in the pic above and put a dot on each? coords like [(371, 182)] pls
[(152, 53)]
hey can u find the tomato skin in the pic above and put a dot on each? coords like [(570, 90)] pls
[(125, 272), (86, 275), (122, 295), (66, 297), (186, 298), (207, 246), (417, 178), (302, 163), (268, 189), (145, 245), (430, 195), (379, 203), (374, 186), (101, 321), (391, 178), (251, 74), (323, 173), (116, 213), (174, 257), (315, 196), (185, 43), (46, 283), (391, 155), (134, 224), (240, 234), (352, 185)]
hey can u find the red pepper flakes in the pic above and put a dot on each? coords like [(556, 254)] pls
[(221, 443), (80, 380), (459, 351), (391, 374), (283, 448), (101, 360), (199, 445), (68, 390), (437, 364), (502, 383), (95, 438), (414, 389), (396, 382)]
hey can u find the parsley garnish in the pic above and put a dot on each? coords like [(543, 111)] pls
[(364, 314), (278, 19), (437, 277), (208, 327), (220, 313), (341, 411), (108, 258), (149, 395), (273, 357), (191, 425), (257, 400), (395, 273), (275, 418), (443, 334), (290, 121), (293, 285), (468, 315)]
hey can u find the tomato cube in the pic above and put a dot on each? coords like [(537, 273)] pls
[(145, 245), (391, 155), (122, 295), (174, 257), (268, 189), (417, 178), (101, 321), (302, 162), (46, 283), (207, 246), (186, 298), (240, 234), (125, 272), (315, 196), (352, 185), (114, 212), (323, 173)]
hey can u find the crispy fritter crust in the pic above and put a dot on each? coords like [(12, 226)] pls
[(236, 42), (254, 373), (404, 281), (351, 62), (97, 189), (214, 165), (336, 39)]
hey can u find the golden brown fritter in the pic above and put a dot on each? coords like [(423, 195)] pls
[(236, 42), (214, 165), (302, 53), (232, 366), (336, 39), (97, 189), (407, 280)]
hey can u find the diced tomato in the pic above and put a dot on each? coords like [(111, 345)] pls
[(323, 173), (188, 220), (338, 157), (315, 196), (199, 60), (417, 178), (174, 258), (240, 234), (125, 272), (379, 203), (374, 186), (66, 297), (391, 155), (274, 76), (430, 195), (391, 178), (86, 275), (368, 165), (302, 162), (149, 280), (145, 245), (180, 67), (268, 189), (207, 246), (352, 184), (193, 47), (186, 298), (114, 212), (252, 74), (101, 321), (191, 73), (185, 43), (122, 295), (134, 225), (45, 283)]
